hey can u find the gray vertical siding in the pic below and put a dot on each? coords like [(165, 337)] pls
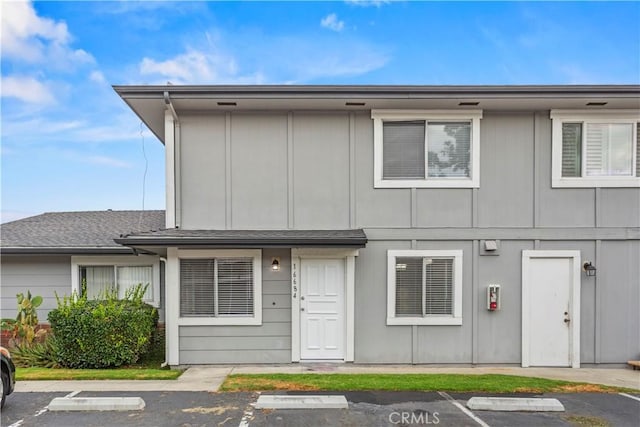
[(618, 282), (259, 171), (42, 275), (267, 343), (506, 170), (291, 170), (203, 156), (321, 170)]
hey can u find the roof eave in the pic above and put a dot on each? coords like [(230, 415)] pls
[(122, 250), (372, 90), (241, 243)]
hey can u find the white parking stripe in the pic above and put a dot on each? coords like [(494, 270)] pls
[(17, 423), (630, 396), (463, 409), (73, 393)]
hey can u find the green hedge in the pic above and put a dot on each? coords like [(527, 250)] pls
[(102, 333)]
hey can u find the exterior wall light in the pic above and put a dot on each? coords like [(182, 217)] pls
[(275, 264), (589, 268)]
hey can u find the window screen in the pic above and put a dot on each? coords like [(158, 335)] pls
[(424, 286), (408, 286), (216, 287), (235, 286), (438, 286), (572, 149), (197, 287), (403, 150)]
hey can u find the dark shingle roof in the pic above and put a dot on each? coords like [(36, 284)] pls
[(70, 232), (247, 238)]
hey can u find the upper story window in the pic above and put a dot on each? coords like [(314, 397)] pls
[(220, 287), (105, 274), (596, 148), (421, 148)]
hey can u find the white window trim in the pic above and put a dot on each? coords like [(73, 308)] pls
[(456, 319), (380, 116), (256, 319), (559, 117), (118, 261)]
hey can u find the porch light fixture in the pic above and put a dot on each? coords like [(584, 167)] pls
[(589, 268), (275, 264)]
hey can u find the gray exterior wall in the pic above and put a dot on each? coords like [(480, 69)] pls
[(43, 275), (267, 343), (314, 170)]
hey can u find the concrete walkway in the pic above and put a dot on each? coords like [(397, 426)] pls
[(209, 378)]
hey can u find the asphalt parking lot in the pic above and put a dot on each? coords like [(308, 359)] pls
[(186, 409)]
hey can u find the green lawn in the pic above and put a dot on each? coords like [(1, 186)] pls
[(28, 374), (489, 383)]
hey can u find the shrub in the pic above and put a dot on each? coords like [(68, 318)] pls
[(42, 355), (102, 333)]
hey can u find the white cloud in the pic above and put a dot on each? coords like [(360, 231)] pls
[(108, 161), (196, 66), (34, 39), (26, 89), (368, 3), (331, 22), (97, 77)]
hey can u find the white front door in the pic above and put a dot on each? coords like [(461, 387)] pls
[(322, 307), (550, 312)]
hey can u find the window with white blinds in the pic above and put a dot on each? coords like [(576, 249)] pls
[(593, 149), (424, 287), (421, 148), (403, 150), (216, 287)]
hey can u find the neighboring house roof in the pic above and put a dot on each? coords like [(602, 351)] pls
[(247, 238), (150, 102), (76, 232)]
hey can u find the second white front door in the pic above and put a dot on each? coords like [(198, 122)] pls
[(322, 309)]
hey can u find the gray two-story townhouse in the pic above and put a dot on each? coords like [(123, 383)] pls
[(398, 224)]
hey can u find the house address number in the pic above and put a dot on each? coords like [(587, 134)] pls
[(294, 280)]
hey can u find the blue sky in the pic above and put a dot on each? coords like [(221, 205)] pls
[(69, 142)]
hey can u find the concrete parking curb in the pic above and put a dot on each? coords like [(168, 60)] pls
[(97, 404), (301, 402), (515, 404)]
